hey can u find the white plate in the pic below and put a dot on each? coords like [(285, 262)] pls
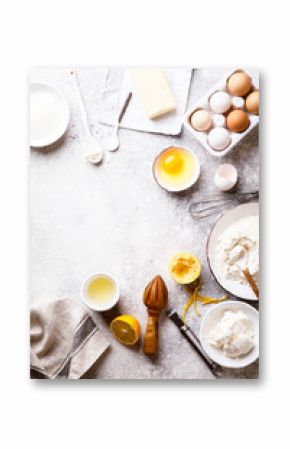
[(227, 219), (210, 319), (49, 115)]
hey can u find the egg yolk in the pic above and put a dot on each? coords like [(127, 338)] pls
[(173, 163)]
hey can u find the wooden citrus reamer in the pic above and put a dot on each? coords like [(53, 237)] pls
[(155, 299)]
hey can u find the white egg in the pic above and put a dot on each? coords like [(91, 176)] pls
[(220, 102), (238, 102), (219, 138), (226, 177), (219, 120)]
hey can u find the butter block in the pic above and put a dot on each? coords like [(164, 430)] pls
[(154, 92)]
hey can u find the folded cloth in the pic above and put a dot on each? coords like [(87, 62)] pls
[(64, 340), (119, 82)]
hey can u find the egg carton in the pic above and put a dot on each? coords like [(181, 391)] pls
[(203, 103)]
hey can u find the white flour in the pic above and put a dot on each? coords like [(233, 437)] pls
[(244, 233)]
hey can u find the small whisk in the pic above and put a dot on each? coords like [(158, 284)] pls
[(213, 204)]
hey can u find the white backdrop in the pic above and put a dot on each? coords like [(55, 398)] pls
[(226, 414)]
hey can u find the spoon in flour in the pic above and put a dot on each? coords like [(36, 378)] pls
[(239, 257), (113, 142), (95, 154)]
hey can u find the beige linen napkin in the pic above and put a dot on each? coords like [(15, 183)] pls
[(64, 340)]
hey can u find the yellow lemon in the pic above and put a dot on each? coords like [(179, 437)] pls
[(185, 268), (126, 329)]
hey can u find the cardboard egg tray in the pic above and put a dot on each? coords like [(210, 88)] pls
[(203, 103)]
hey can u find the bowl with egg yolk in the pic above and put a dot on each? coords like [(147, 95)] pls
[(176, 169)]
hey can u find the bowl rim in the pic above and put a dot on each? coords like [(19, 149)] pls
[(181, 189), (37, 143), (89, 303), (243, 304), (208, 258)]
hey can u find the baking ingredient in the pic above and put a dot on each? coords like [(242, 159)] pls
[(201, 120), (238, 102), (175, 167), (238, 121), (239, 84), (220, 102), (233, 334), (155, 298), (226, 177), (243, 233), (252, 102), (95, 158), (196, 297), (184, 267), (219, 138), (154, 92), (101, 289), (46, 114), (126, 329), (219, 120)]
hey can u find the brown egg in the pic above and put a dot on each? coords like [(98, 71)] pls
[(252, 102), (238, 121), (239, 84)]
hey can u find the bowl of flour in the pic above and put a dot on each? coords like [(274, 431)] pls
[(237, 228)]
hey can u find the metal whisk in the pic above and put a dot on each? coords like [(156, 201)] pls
[(212, 204)]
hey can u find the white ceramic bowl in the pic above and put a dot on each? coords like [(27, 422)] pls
[(185, 186), (101, 307), (209, 320), (49, 115), (227, 219)]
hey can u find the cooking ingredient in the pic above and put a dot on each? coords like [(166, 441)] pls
[(184, 267), (46, 114), (238, 102), (252, 102), (238, 121), (220, 102), (239, 84), (226, 177), (219, 138), (126, 329), (243, 233), (201, 120), (95, 157), (154, 92), (219, 120), (233, 334), (155, 299), (195, 297), (101, 289), (175, 168)]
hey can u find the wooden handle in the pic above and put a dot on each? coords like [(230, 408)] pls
[(151, 334), (251, 281)]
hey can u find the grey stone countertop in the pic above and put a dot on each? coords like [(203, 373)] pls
[(115, 218)]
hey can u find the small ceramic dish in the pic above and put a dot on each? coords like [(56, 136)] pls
[(210, 319), (96, 305), (186, 185), (241, 291), (49, 115)]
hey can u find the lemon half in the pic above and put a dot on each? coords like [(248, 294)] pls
[(185, 268), (126, 329)]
